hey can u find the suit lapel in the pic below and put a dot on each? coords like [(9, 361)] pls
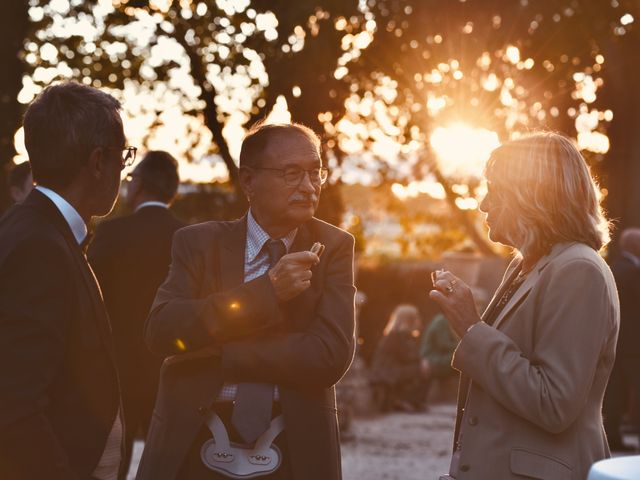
[(532, 279), (527, 285), (464, 384), (303, 240), (40, 202), (512, 269), (232, 251), (293, 307)]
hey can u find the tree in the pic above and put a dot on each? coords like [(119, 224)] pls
[(14, 27), (231, 58), (510, 67)]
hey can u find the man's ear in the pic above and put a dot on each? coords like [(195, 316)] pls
[(95, 165), (246, 176)]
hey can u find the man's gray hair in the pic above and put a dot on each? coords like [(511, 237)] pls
[(63, 125)]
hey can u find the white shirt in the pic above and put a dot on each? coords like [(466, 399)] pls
[(151, 203), (256, 263), (109, 464), (73, 218)]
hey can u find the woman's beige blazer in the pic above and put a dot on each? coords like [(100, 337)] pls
[(532, 384)]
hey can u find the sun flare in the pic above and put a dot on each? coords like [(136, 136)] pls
[(463, 150)]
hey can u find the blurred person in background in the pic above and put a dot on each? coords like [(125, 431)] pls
[(395, 369), (20, 182), (534, 368), (437, 344), (624, 383), (130, 256)]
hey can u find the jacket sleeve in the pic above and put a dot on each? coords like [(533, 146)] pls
[(315, 357), (576, 326), (34, 311), (181, 320)]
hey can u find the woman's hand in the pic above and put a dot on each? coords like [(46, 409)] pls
[(455, 300)]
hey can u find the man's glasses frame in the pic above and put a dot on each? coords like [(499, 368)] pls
[(293, 176), (128, 155)]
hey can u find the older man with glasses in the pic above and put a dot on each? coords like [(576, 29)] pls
[(260, 327)]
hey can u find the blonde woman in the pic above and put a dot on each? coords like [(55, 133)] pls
[(534, 368), (396, 364)]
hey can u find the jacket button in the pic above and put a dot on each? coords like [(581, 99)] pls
[(465, 468), (202, 410), (473, 421)]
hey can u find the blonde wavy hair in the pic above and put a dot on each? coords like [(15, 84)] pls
[(404, 318), (546, 187)]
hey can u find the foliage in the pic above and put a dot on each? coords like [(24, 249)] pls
[(14, 26), (509, 66)]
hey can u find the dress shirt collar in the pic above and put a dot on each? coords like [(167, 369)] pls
[(257, 237), (151, 203), (70, 214)]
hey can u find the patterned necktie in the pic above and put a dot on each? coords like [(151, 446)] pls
[(251, 415)]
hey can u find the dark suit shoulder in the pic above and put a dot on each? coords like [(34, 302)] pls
[(324, 228), (207, 230), (29, 228)]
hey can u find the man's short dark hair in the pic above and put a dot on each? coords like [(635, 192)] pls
[(64, 125), (256, 141), (18, 175), (158, 174)]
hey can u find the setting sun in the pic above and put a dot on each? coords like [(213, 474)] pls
[(462, 149)]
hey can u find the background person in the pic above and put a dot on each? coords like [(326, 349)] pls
[(395, 369), (131, 256), (437, 344), (624, 383), (535, 367)]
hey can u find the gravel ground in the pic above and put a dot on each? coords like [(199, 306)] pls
[(397, 446), (400, 446)]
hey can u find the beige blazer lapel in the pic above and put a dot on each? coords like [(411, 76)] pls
[(506, 280), (528, 284)]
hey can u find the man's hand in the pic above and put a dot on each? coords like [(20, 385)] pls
[(292, 274)]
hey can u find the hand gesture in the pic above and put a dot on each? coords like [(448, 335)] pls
[(292, 274), (456, 301)]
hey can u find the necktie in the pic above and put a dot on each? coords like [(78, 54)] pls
[(251, 415)]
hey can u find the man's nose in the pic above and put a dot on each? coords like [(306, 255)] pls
[(306, 185)]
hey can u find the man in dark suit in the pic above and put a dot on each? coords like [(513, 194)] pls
[(131, 257), (60, 415), (257, 324), (624, 376)]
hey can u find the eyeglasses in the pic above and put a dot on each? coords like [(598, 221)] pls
[(128, 155), (293, 175)]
